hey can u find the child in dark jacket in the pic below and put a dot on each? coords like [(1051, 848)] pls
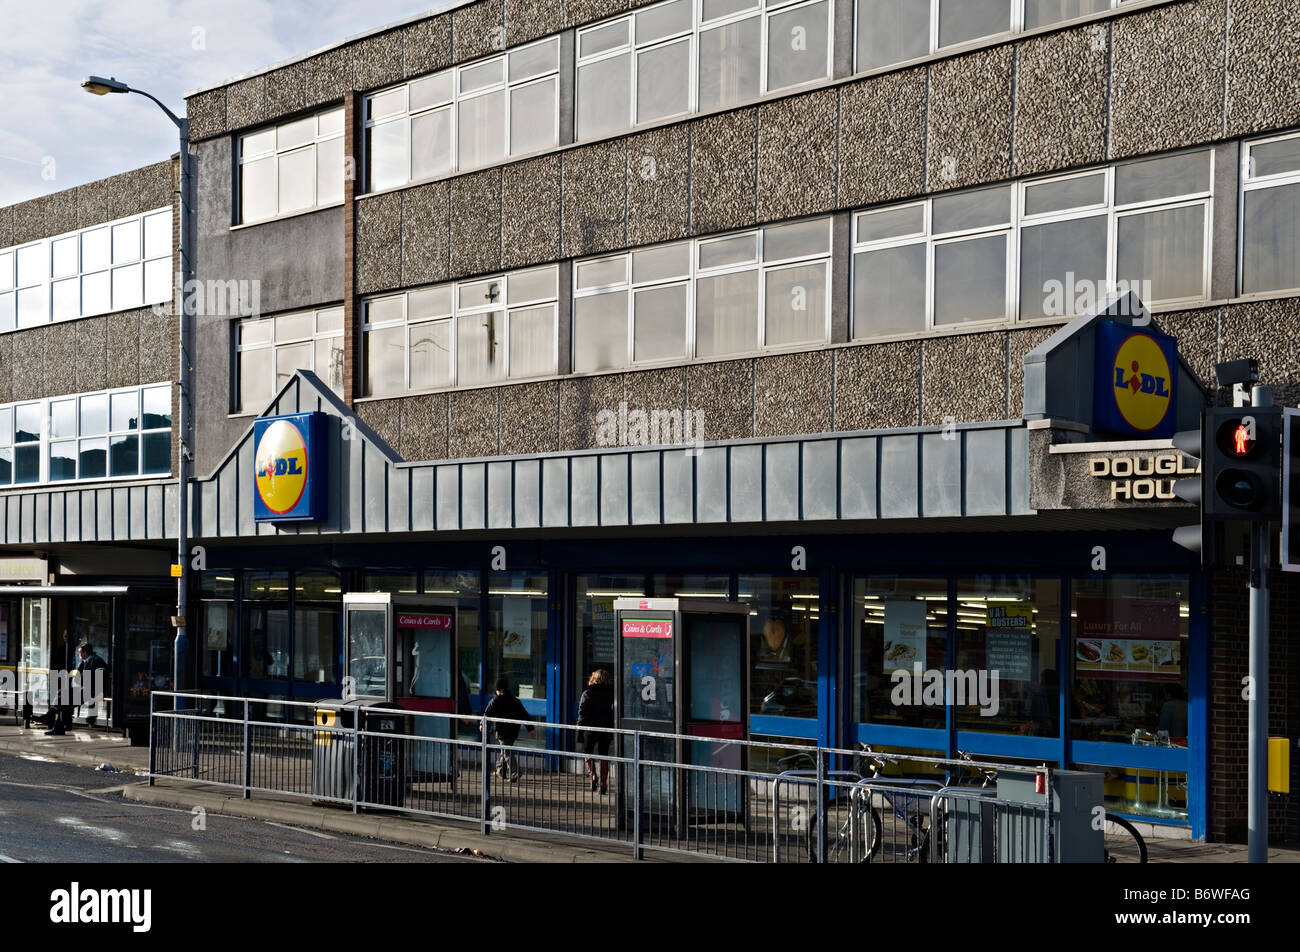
[(506, 705)]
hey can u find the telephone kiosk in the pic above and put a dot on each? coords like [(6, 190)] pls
[(683, 668), (401, 650)]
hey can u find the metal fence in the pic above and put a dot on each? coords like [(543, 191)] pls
[(660, 793)]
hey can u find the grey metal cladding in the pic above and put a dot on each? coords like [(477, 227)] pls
[(858, 463), (555, 492), (941, 474), (448, 498), (747, 483), (711, 485), (139, 512), (103, 514), (678, 486), (399, 499), (473, 495), (582, 491), (422, 499), (1019, 489), (781, 482), (500, 495), (820, 475), (57, 527), (376, 491), (646, 488), (245, 488), (613, 489), (528, 490), (42, 530), (985, 475), (898, 477)]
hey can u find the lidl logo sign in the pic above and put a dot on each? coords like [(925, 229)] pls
[(1136, 381), (288, 468)]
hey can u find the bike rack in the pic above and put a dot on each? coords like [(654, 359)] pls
[(796, 775)]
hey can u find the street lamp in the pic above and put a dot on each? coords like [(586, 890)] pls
[(99, 86)]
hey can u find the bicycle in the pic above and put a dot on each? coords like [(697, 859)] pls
[(1123, 842)]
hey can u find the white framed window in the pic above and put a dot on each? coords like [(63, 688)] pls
[(464, 118), (679, 57), (124, 432), (116, 266), (1270, 214), (268, 350), (714, 297), (888, 32), (291, 167), (1041, 248), (464, 333)]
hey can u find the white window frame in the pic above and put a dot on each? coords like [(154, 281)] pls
[(1020, 220), (407, 115), (1256, 183), (274, 345), (763, 10), (1017, 26), (45, 441), (9, 287), (505, 305), (275, 153), (760, 265)]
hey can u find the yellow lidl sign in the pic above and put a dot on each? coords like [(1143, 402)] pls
[(288, 459), (1136, 381)]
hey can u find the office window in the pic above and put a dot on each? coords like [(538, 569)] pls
[(270, 349), (1072, 239), (461, 334), (125, 432), (706, 298), (895, 31), (291, 167), (675, 58), (111, 267), (1270, 229), (465, 117)]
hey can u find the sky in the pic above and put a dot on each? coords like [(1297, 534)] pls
[(55, 136)]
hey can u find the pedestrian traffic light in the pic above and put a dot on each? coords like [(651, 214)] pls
[(1241, 468)]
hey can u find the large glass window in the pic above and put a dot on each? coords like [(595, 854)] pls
[(464, 586), (111, 267), (1011, 626), (1270, 230), (88, 436), (291, 167), (270, 349), (516, 638), (1130, 656), (784, 612), (464, 118), (594, 628), (946, 261), (317, 626), (897, 623), (675, 58), (895, 31), (461, 334), (708, 298), (266, 626)]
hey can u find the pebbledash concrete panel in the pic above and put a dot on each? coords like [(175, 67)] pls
[(918, 472)]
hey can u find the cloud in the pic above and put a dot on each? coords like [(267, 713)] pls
[(54, 136)]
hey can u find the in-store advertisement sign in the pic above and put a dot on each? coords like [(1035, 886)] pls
[(289, 470), (904, 633), (1118, 638), (1008, 641)]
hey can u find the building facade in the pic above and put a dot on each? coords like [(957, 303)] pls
[(765, 301)]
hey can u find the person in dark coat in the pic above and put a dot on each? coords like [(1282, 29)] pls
[(596, 709), (506, 705), (91, 687)]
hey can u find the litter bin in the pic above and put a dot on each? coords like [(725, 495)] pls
[(332, 752), (383, 758)]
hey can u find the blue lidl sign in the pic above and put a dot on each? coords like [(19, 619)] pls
[(289, 471), (1135, 390)]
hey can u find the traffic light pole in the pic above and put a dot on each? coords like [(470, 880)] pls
[(1257, 792)]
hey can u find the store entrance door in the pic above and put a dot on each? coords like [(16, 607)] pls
[(682, 669)]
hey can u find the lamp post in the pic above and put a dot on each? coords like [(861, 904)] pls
[(100, 86)]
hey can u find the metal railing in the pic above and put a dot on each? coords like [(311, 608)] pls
[(662, 793)]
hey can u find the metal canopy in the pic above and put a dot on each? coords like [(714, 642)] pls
[(63, 589)]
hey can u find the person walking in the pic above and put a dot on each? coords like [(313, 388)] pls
[(506, 705), (596, 709)]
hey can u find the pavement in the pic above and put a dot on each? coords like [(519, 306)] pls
[(94, 747)]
